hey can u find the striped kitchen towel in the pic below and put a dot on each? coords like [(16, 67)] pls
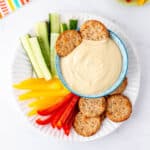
[(8, 6)]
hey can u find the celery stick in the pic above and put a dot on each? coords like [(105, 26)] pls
[(55, 23)]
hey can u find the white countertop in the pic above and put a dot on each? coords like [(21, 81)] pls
[(17, 134)]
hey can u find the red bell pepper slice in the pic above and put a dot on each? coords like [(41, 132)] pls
[(67, 111), (68, 124), (43, 122), (56, 116), (46, 121), (53, 108)]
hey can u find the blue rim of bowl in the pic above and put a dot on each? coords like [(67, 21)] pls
[(123, 73)]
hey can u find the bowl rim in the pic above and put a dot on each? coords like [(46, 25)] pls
[(122, 75)]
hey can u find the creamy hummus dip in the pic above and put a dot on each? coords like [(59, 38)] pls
[(92, 67)]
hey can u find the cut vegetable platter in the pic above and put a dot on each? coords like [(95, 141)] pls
[(22, 70)]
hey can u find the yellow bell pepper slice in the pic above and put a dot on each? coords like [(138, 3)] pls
[(32, 112), (44, 102), (39, 84), (32, 81), (36, 94), (52, 86), (141, 2)]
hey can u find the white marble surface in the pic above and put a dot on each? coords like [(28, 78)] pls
[(16, 133)]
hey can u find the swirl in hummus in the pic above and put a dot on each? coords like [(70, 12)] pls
[(92, 67)]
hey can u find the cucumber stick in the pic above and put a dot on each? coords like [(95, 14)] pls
[(42, 31), (73, 24), (63, 27), (27, 47), (55, 29), (38, 54), (54, 37)]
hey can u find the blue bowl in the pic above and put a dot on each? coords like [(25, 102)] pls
[(123, 73)]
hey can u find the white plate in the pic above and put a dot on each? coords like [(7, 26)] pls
[(22, 70)]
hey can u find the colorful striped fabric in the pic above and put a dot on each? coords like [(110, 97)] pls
[(8, 6)]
